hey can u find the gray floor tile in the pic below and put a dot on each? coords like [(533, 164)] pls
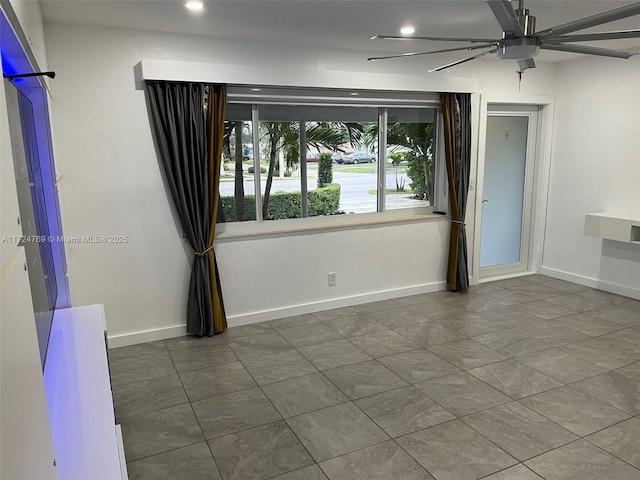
[(251, 329), (385, 461), (466, 354), (387, 342), (133, 351), (561, 366), (517, 472), (462, 394), (334, 354), (295, 321), (376, 306), (148, 395), (621, 440), (453, 451), (553, 334), (519, 430), (575, 302), (484, 287), (364, 379), (574, 410), (335, 313), (512, 282), (632, 371), (188, 359), (539, 291), (581, 461), (511, 343), (614, 389), (218, 380), (160, 431), (509, 297), (190, 342), (233, 412), (187, 463), (278, 366), (429, 333), (603, 297), (564, 286), (585, 323), (311, 334), (312, 472), (514, 378), (417, 299), (403, 411), (259, 453), (628, 339), (303, 394), (471, 302), (619, 314), (602, 352), (142, 367), (261, 344), (544, 310), (435, 307), (355, 325), (467, 324), (335, 431), (398, 317), (508, 317), (417, 365)]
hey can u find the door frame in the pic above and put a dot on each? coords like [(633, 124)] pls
[(541, 171)]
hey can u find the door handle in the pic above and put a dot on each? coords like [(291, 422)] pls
[(485, 201)]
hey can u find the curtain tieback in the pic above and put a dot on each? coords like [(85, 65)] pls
[(459, 222), (202, 254)]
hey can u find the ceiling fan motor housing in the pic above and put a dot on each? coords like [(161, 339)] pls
[(514, 47)]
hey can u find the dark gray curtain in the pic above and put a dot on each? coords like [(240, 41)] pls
[(183, 130), (456, 111)]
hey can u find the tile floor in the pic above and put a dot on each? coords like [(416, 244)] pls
[(521, 379)]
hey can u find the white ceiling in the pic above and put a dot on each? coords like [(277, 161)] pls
[(345, 24)]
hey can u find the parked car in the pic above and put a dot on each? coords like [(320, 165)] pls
[(358, 157), (312, 156)]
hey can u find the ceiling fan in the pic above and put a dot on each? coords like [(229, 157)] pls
[(521, 42)]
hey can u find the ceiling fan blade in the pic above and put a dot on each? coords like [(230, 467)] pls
[(415, 54), (506, 16), (592, 21), (526, 63), (433, 39), (602, 52), (453, 64), (587, 37)]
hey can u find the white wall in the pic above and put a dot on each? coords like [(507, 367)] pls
[(112, 184), (595, 168)]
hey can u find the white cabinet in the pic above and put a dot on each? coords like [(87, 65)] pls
[(613, 226)]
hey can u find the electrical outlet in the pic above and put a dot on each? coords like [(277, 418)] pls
[(331, 277)]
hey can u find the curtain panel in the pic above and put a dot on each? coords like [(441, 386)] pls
[(188, 123), (456, 111)]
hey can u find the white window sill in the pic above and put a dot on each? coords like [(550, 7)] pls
[(232, 230)]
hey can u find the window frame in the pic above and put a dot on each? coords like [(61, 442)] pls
[(302, 96)]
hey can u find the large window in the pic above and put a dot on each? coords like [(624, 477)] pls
[(295, 153)]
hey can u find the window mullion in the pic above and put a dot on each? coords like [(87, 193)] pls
[(382, 154), (255, 127), (302, 128)]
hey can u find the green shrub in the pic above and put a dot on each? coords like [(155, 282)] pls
[(418, 170), (325, 169), (262, 170), (324, 201)]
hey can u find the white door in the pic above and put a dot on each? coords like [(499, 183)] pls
[(507, 190)]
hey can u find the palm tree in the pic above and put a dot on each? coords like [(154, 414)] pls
[(285, 136)]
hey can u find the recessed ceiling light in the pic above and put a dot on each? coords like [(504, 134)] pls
[(355, 94), (256, 89), (194, 5), (407, 30)]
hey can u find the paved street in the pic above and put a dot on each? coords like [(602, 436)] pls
[(354, 192)]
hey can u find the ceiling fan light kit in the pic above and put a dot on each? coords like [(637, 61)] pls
[(521, 42)]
